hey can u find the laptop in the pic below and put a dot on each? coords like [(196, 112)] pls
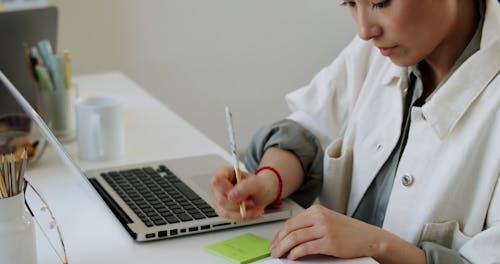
[(155, 200), (17, 27)]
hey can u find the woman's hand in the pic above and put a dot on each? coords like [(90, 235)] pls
[(319, 230), (257, 191)]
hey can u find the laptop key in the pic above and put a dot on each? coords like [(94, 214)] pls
[(149, 170), (184, 217), (156, 218), (198, 202), (184, 189), (172, 219), (148, 210), (160, 222), (198, 216), (210, 213), (204, 206), (166, 214), (162, 210), (177, 196), (178, 211)]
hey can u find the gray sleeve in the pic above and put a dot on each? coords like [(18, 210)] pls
[(290, 135), (435, 254)]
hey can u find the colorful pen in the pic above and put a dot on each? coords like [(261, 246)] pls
[(44, 78), (236, 163)]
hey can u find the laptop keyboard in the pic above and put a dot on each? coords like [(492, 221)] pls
[(157, 196)]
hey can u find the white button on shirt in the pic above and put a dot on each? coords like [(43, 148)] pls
[(407, 180)]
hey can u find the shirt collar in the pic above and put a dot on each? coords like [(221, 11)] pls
[(470, 49), (394, 73), (458, 94), (468, 77)]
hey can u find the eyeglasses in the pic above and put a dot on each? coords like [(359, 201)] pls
[(45, 220)]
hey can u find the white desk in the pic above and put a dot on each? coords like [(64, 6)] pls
[(91, 232)]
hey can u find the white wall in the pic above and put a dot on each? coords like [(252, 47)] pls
[(197, 56)]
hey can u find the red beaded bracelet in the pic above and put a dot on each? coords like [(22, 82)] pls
[(276, 201)]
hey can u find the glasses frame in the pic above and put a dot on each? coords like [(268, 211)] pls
[(27, 184)]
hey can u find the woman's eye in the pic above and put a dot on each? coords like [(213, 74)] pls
[(348, 3), (381, 4)]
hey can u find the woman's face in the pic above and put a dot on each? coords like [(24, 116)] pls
[(407, 31)]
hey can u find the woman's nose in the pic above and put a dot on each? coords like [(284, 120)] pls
[(367, 26)]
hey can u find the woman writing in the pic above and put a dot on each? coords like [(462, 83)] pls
[(399, 136)]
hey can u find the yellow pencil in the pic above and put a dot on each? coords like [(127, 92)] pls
[(3, 186), (67, 69)]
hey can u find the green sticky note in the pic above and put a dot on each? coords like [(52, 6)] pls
[(242, 249)]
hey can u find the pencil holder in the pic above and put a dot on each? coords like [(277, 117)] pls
[(57, 110), (17, 234)]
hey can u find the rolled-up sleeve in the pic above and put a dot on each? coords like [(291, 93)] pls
[(290, 135), (435, 254)]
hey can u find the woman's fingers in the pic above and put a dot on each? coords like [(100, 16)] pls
[(222, 184), (312, 247), (247, 188), (300, 221), (232, 211), (222, 180), (294, 239)]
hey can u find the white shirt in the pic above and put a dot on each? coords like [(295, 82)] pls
[(447, 186)]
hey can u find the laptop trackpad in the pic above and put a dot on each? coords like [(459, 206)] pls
[(201, 185)]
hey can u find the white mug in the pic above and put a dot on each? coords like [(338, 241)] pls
[(99, 127)]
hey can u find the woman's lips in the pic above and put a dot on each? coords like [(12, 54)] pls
[(387, 51)]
